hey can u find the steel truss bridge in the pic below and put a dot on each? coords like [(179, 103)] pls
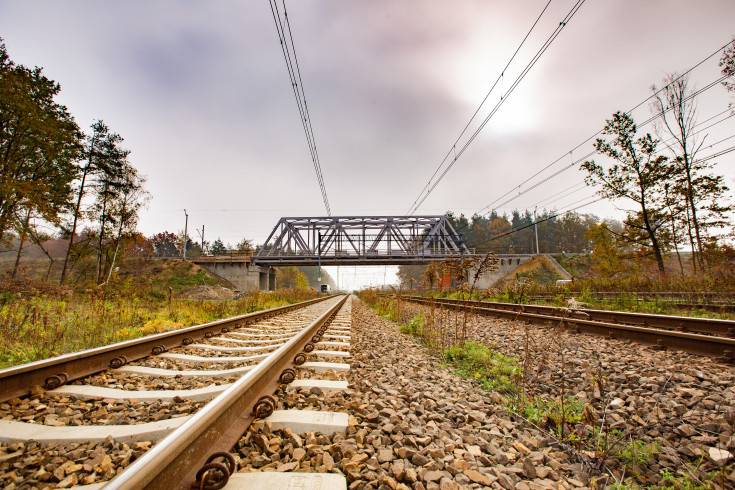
[(361, 240)]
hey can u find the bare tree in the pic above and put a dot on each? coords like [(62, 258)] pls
[(700, 195), (727, 62), (678, 109)]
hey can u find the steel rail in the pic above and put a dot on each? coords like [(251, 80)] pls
[(174, 461), (51, 373), (711, 326), (674, 301), (641, 294), (582, 321)]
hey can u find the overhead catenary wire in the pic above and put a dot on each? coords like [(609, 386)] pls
[(553, 198), (593, 152), (453, 149), (588, 139), (568, 208), (289, 54), (503, 98)]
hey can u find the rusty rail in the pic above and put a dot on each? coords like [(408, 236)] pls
[(56, 371), (175, 460), (703, 336), (640, 294)]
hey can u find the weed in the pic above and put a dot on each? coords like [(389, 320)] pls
[(414, 327), (38, 327), (626, 486), (496, 372), (636, 453), (671, 480), (544, 412)]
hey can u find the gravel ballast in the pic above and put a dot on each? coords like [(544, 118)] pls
[(413, 424), (678, 408)]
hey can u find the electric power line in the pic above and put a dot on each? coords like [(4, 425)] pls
[(551, 200), (547, 218), (294, 73), (599, 131), (512, 88), (454, 146), (585, 157)]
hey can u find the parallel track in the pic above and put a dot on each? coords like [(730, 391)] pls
[(721, 302), (703, 336)]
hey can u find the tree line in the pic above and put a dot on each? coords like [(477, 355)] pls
[(516, 233), (54, 176)]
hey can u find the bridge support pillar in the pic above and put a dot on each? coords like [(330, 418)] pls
[(506, 264), (244, 275)]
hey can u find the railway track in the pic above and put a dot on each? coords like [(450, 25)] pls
[(685, 295), (703, 336), (720, 302), (206, 385)]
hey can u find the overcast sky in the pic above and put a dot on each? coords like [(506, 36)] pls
[(200, 92)]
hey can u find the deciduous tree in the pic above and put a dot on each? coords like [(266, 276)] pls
[(245, 245), (727, 63), (39, 145), (693, 181), (638, 175), (124, 208), (166, 244), (498, 240), (606, 257), (291, 278)]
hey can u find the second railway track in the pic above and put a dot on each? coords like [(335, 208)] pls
[(704, 336)]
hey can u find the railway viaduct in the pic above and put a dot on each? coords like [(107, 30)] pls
[(350, 240)]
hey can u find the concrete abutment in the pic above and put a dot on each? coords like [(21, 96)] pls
[(244, 275)]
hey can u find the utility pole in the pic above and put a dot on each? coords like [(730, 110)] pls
[(186, 231), (319, 253), (202, 235), (535, 228)]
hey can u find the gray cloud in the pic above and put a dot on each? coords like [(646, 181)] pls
[(200, 92)]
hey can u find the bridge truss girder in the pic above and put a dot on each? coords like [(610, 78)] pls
[(361, 240)]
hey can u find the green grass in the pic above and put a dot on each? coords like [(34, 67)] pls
[(637, 453), (38, 327), (413, 327), (545, 412), (495, 371)]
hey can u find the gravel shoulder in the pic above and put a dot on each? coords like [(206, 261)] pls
[(672, 414), (413, 424)]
